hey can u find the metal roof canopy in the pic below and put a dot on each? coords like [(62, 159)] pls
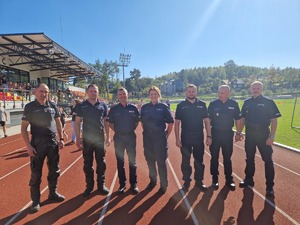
[(41, 53)]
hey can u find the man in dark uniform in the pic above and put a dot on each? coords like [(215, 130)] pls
[(191, 114), (154, 116), (222, 113), (44, 119), (259, 114), (93, 113), (123, 119)]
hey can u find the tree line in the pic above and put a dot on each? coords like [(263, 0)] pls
[(207, 79)]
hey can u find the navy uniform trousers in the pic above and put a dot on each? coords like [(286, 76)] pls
[(221, 139), (45, 147), (192, 143), (126, 141), (156, 151), (257, 138), (94, 144)]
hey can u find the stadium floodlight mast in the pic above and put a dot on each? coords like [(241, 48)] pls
[(124, 61)]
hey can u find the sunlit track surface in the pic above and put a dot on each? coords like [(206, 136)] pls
[(242, 206)]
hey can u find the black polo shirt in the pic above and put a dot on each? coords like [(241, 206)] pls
[(259, 111), (191, 115), (92, 116), (125, 119), (222, 115), (155, 117), (41, 118)]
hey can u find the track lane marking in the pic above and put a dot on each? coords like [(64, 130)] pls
[(29, 203), (107, 201), (264, 198), (283, 167), (14, 171), (184, 196)]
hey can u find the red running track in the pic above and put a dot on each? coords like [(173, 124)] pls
[(213, 207)]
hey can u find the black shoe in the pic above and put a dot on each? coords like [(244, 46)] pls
[(35, 207), (231, 185), (246, 183), (56, 197), (215, 185), (122, 189), (151, 185), (162, 190), (88, 191), (202, 186), (5, 135), (103, 190), (134, 189), (270, 192), (186, 186)]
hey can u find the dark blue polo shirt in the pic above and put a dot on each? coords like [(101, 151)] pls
[(92, 116), (155, 117), (259, 111), (191, 115), (41, 118), (222, 115), (125, 119)]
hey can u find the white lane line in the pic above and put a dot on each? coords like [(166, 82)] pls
[(6, 143), (287, 169), (265, 199), (29, 203), (101, 218), (184, 196), (14, 171)]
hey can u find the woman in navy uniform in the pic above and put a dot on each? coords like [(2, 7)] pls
[(154, 116), (44, 120), (259, 114)]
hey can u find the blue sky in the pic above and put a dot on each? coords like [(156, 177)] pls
[(165, 36)]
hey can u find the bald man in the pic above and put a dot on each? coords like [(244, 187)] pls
[(259, 115), (223, 112)]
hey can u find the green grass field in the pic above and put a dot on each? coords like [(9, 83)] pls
[(285, 133)]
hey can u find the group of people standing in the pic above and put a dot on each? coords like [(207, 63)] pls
[(258, 114)]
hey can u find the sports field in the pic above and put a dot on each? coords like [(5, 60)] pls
[(285, 133)]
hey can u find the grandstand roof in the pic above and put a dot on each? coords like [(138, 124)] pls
[(41, 53)]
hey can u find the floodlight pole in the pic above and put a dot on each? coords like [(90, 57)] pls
[(124, 61)]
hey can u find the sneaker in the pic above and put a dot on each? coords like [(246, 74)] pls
[(35, 207), (5, 135), (215, 183), (134, 189), (200, 185), (103, 190), (230, 184), (186, 185), (122, 189), (246, 183), (56, 197)]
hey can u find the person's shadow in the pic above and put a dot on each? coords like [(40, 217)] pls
[(214, 214), (128, 213), (246, 212)]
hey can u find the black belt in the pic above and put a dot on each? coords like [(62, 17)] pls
[(256, 127), (124, 132)]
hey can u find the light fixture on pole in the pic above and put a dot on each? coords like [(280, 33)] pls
[(124, 61)]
